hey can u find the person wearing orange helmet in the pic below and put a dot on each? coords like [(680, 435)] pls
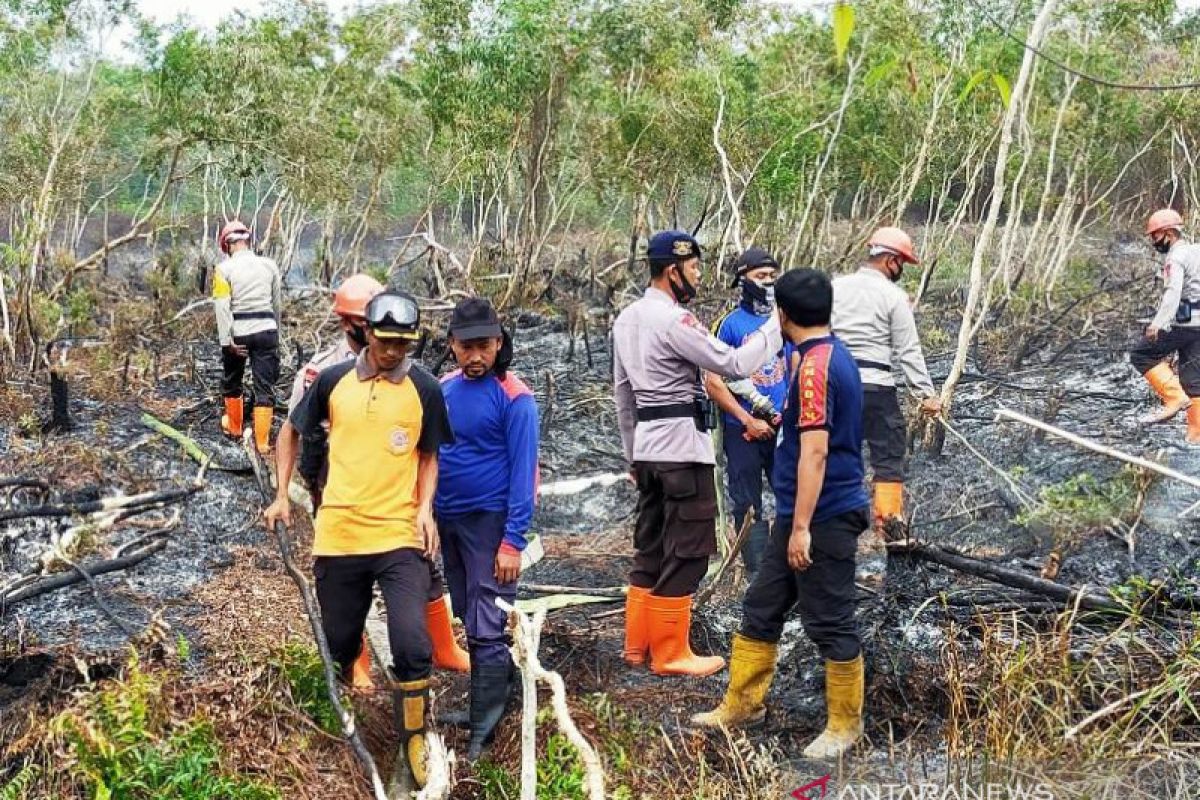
[(1174, 328), (872, 315), (350, 305), (247, 298)]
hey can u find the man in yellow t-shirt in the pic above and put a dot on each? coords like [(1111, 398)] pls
[(387, 418)]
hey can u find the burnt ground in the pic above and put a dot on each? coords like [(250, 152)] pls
[(955, 499)]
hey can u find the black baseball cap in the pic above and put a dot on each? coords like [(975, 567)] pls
[(752, 258), (474, 318)]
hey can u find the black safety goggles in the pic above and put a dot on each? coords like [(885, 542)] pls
[(393, 315)]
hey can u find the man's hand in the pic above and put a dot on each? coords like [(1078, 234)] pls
[(508, 566), (427, 527), (1152, 333), (931, 406), (756, 429), (279, 511), (239, 350), (799, 549)]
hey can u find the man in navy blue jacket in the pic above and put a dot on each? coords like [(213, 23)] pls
[(751, 405), (485, 499), (823, 507)]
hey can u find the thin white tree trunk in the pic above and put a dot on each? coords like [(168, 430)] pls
[(983, 243)]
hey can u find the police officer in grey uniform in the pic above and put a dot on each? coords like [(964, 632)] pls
[(659, 351)]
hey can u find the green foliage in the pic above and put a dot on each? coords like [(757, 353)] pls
[(124, 745), (301, 667), (560, 775), (1082, 502), (17, 787)]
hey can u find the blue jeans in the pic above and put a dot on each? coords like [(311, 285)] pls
[(469, 546)]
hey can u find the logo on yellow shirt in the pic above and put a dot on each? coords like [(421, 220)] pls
[(400, 443)]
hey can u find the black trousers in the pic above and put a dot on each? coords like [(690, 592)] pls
[(264, 367), (1145, 354), (344, 585), (884, 430), (745, 464), (824, 593), (676, 530)]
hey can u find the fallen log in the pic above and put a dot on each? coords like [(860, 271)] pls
[(69, 578), (107, 504), (1005, 576), (189, 445), (1096, 447)]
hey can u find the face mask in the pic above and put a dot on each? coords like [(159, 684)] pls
[(1163, 245), (758, 297), (898, 272), (684, 293), (358, 335)]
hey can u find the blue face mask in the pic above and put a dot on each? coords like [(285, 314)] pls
[(758, 296)]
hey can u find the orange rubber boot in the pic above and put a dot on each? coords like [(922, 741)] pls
[(636, 637), (1165, 383), (1193, 426), (668, 622), (231, 420), (262, 428), (888, 502), (360, 670), (446, 652)]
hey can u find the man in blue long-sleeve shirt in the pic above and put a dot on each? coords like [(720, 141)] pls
[(485, 499)]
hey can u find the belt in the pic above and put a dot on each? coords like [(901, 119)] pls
[(672, 411), (243, 315), (864, 364)]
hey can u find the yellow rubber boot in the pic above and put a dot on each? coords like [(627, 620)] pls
[(1193, 424), (360, 670), (1165, 383), (636, 637), (231, 420), (888, 502), (409, 700), (751, 668), (447, 654), (668, 622), (262, 428), (844, 702)]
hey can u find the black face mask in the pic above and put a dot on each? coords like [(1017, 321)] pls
[(898, 272), (684, 293), (758, 297), (1163, 245), (358, 335)]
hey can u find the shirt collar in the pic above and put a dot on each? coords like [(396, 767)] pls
[(364, 370), (874, 273), (659, 296)]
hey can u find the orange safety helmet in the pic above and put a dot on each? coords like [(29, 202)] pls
[(895, 241), (235, 230), (1162, 220), (351, 298)]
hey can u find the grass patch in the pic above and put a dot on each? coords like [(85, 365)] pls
[(301, 667), (123, 743)]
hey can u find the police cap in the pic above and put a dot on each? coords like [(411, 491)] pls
[(672, 246)]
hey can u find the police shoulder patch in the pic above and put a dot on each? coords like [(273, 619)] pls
[(689, 319)]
